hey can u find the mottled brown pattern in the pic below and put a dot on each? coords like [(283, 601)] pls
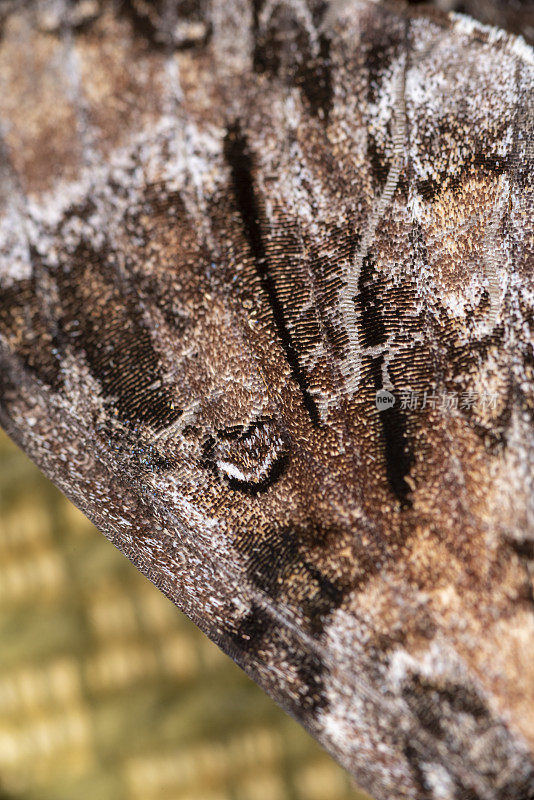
[(224, 229)]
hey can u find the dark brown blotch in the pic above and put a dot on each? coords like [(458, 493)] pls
[(169, 24), (283, 50), (289, 564)]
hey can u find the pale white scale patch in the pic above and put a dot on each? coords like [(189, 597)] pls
[(354, 710), (440, 782), (233, 471), (232, 23), (182, 513), (15, 261), (515, 45), (439, 662)]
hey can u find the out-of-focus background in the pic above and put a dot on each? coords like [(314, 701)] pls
[(108, 692)]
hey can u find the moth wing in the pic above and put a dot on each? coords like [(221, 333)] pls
[(220, 244)]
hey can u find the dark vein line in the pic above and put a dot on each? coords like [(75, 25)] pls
[(238, 157)]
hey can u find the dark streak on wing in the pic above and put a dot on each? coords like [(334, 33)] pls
[(373, 331), (378, 57), (240, 162), (524, 549), (259, 633), (379, 163), (399, 459), (142, 24)]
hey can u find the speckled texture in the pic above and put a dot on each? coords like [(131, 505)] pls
[(225, 228)]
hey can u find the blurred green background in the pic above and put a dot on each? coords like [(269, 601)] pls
[(108, 692)]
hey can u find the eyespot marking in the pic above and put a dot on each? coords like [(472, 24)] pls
[(248, 459)]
